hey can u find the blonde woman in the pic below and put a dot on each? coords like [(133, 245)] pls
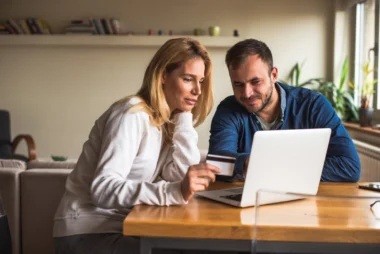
[(142, 150)]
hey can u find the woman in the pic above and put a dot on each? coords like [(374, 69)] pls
[(142, 150)]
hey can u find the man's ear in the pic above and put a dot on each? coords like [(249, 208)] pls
[(274, 74)]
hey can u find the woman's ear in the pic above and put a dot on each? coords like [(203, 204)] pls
[(163, 78)]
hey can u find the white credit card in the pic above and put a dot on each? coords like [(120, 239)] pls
[(225, 163)]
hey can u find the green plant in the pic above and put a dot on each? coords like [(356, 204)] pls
[(339, 96), (294, 75), (58, 158), (368, 86)]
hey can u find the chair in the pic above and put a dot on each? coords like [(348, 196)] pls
[(315, 223), (8, 147)]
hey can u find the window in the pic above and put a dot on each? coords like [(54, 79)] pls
[(376, 34), (366, 49)]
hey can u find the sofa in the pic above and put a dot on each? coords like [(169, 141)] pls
[(31, 193)]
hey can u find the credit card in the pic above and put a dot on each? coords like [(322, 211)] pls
[(225, 163)]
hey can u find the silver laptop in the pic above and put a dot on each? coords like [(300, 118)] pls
[(280, 161)]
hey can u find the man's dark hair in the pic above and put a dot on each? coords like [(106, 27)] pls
[(241, 50)]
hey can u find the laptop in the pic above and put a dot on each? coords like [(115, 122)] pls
[(280, 161)]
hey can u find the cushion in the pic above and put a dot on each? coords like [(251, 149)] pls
[(51, 164), (41, 193), (12, 164)]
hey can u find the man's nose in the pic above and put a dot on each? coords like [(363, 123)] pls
[(247, 91)]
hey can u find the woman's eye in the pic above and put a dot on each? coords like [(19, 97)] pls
[(187, 79)]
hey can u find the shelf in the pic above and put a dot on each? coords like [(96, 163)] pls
[(109, 40), (374, 130)]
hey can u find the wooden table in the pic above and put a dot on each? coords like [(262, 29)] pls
[(344, 227)]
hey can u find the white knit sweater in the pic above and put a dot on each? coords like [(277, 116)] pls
[(124, 163)]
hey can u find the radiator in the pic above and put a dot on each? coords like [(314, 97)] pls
[(370, 161)]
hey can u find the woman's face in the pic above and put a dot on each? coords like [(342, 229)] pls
[(183, 85)]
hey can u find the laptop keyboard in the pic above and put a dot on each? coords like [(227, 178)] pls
[(236, 190), (236, 197)]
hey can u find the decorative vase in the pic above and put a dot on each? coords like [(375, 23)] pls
[(365, 117), (197, 31), (214, 30)]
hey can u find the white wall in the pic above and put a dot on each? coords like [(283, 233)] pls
[(56, 94)]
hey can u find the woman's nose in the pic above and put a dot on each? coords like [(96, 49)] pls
[(197, 88)]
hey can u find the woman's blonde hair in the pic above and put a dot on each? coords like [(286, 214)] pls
[(169, 57)]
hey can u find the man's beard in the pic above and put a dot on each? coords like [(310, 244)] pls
[(265, 103)]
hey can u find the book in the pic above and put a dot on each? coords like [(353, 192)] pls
[(45, 26), (22, 23), (115, 23), (98, 26), (105, 26), (32, 26), (15, 26), (86, 22)]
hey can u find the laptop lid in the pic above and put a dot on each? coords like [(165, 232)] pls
[(286, 161)]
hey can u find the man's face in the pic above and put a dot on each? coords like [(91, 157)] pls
[(253, 84)]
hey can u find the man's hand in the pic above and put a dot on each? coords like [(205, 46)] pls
[(198, 178)]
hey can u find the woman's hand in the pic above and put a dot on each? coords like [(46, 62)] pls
[(176, 111), (198, 178)]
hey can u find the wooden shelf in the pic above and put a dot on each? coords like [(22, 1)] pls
[(109, 40)]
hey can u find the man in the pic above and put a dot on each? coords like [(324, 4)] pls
[(262, 103)]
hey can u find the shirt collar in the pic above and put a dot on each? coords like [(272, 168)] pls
[(282, 101)]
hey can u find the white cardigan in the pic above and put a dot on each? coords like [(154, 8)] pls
[(124, 163)]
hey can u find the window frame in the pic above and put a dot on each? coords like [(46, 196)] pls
[(376, 96), (362, 54)]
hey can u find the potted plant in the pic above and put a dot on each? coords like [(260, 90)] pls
[(294, 75), (339, 96), (367, 91)]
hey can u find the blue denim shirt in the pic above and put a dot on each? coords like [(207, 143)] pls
[(233, 128)]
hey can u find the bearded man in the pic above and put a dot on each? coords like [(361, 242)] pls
[(260, 102)]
